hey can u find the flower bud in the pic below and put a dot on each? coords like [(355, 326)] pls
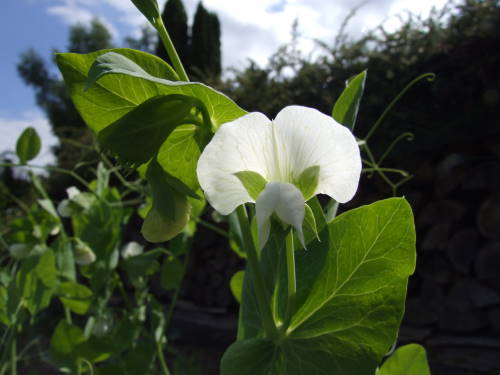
[(131, 249), (84, 254), (64, 208)]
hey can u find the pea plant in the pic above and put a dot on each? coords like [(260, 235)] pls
[(321, 294)]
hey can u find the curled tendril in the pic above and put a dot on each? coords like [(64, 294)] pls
[(428, 76), (408, 136)]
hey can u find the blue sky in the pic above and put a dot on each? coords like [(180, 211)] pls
[(260, 25)]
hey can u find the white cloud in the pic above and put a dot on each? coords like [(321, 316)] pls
[(73, 12), (255, 29), (11, 129)]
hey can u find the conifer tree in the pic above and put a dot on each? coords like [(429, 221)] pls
[(175, 19), (205, 43)]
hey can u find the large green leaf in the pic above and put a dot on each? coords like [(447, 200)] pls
[(170, 211), (149, 8), (123, 85), (76, 297), (351, 289), (28, 145), (410, 359), (346, 107), (146, 127)]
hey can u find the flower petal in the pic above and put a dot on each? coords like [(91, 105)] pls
[(306, 137), (244, 144), (286, 201)]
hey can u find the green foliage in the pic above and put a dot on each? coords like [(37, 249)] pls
[(147, 126), (172, 273), (342, 323), (345, 110), (76, 297), (149, 8), (28, 145), (236, 284), (409, 359)]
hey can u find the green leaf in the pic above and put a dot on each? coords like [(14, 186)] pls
[(351, 290), (308, 180), (236, 284), (28, 145), (409, 360), (169, 213), (76, 297), (178, 156), (172, 272), (113, 96), (345, 110), (149, 8), (36, 295), (66, 338), (142, 265), (46, 270), (135, 77), (253, 182), (48, 206), (146, 127), (65, 343)]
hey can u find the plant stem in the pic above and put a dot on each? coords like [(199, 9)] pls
[(172, 53), (173, 303), (292, 282), (13, 358), (258, 280), (163, 364), (67, 314), (212, 227)]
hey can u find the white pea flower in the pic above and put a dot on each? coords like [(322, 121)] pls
[(72, 192), (279, 165), (131, 249)]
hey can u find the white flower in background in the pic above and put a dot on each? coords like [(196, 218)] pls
[(84, 254), (76, 200), (131, 249), (72, 192), (279, 165), (64, 208), (19, 250)]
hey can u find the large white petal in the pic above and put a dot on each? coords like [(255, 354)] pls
[(244, 144), (306, 137), (286, 201)]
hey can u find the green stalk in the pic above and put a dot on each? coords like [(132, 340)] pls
[(292, 282), (13, 358), (169, 46), (163, 364), (253, 263)]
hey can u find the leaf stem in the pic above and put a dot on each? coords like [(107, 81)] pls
[(171, 51), (430, 77), (13, 358), (258, 280), (212, 227), (161, 357), (292, 282)]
